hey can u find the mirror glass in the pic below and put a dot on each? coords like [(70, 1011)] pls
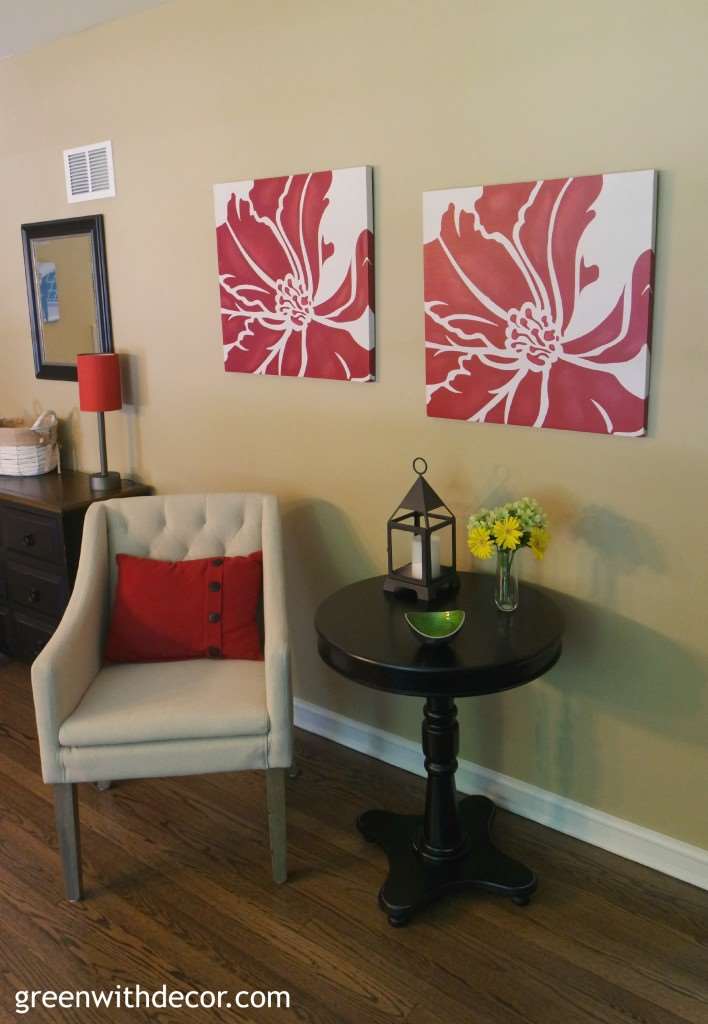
[(67, 289), (65, 293)]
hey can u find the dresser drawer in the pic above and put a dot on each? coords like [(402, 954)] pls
[(29, 636), (36, 590), (37, 536)]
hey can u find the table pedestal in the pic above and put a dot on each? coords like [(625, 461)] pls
[(449, 847)]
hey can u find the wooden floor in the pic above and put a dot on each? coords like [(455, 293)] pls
[(179, 893)]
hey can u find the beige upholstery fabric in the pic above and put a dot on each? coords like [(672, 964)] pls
[(182, 700), (163, 760), (185, 526), (171, 718)]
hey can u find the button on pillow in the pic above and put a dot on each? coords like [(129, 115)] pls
[(170, 611)]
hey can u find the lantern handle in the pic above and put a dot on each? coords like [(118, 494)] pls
[(420, 472)]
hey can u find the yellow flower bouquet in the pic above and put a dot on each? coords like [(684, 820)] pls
[(502, 531)]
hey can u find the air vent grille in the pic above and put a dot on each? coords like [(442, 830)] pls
[(89, 172)]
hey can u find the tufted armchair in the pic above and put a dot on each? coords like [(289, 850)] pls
[(98, 722)]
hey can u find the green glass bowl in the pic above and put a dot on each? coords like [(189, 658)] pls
[(435, 627)]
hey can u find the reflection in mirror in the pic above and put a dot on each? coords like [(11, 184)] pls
[(67, 288), (65, 292)]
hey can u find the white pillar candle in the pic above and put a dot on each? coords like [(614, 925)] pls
[(417, 557)]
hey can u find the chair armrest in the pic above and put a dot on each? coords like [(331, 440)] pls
[(70, 661), (279, 697)]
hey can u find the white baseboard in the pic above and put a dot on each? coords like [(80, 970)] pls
[(670, 856)]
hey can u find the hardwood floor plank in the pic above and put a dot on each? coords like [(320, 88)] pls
[(179, 892), (161, 935), (338, 980)]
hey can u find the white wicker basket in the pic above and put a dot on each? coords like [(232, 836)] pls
[(29, 451)]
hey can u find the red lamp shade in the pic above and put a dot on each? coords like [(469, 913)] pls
[(99, 382)]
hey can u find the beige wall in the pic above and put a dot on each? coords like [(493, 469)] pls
[(432, 94)]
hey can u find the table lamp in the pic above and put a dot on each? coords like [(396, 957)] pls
[(100, 392)]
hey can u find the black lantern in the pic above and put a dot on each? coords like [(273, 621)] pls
[(418, 516)]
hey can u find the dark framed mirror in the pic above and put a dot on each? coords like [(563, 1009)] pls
[(67, 292)]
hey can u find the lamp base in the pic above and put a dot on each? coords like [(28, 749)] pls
[(109, 481)]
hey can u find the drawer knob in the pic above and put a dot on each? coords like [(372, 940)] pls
[(28, 540), (34, 596)]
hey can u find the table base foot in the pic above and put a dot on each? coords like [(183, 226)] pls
[(414, 880)]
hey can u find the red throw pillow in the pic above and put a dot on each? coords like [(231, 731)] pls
[(202, 608)]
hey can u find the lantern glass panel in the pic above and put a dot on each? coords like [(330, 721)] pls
[(443, 537), (401, 547)]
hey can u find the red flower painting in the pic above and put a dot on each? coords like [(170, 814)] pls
[(538, 302), (295, 259)]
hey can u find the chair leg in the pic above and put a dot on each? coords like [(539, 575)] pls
[(66, 807), (275, 793)]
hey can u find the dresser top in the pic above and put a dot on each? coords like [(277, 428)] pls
[(65, 492)]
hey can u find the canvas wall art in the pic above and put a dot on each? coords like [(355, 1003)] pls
[(295, 259), (538, 302)]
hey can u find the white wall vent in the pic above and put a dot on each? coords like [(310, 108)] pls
[(89, 172)]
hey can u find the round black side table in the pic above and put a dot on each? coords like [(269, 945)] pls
[(364, 636)]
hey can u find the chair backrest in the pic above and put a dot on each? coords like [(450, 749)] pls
[(183, 526)]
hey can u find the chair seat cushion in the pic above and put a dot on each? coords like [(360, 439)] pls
[(169, 611), (177, 700)]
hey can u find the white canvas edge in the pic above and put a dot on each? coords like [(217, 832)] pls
[(467, 194), (222, 192)]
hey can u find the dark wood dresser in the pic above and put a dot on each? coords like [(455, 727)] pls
[(41, 519)]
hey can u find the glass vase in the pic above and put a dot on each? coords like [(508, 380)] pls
[(506, 591)]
